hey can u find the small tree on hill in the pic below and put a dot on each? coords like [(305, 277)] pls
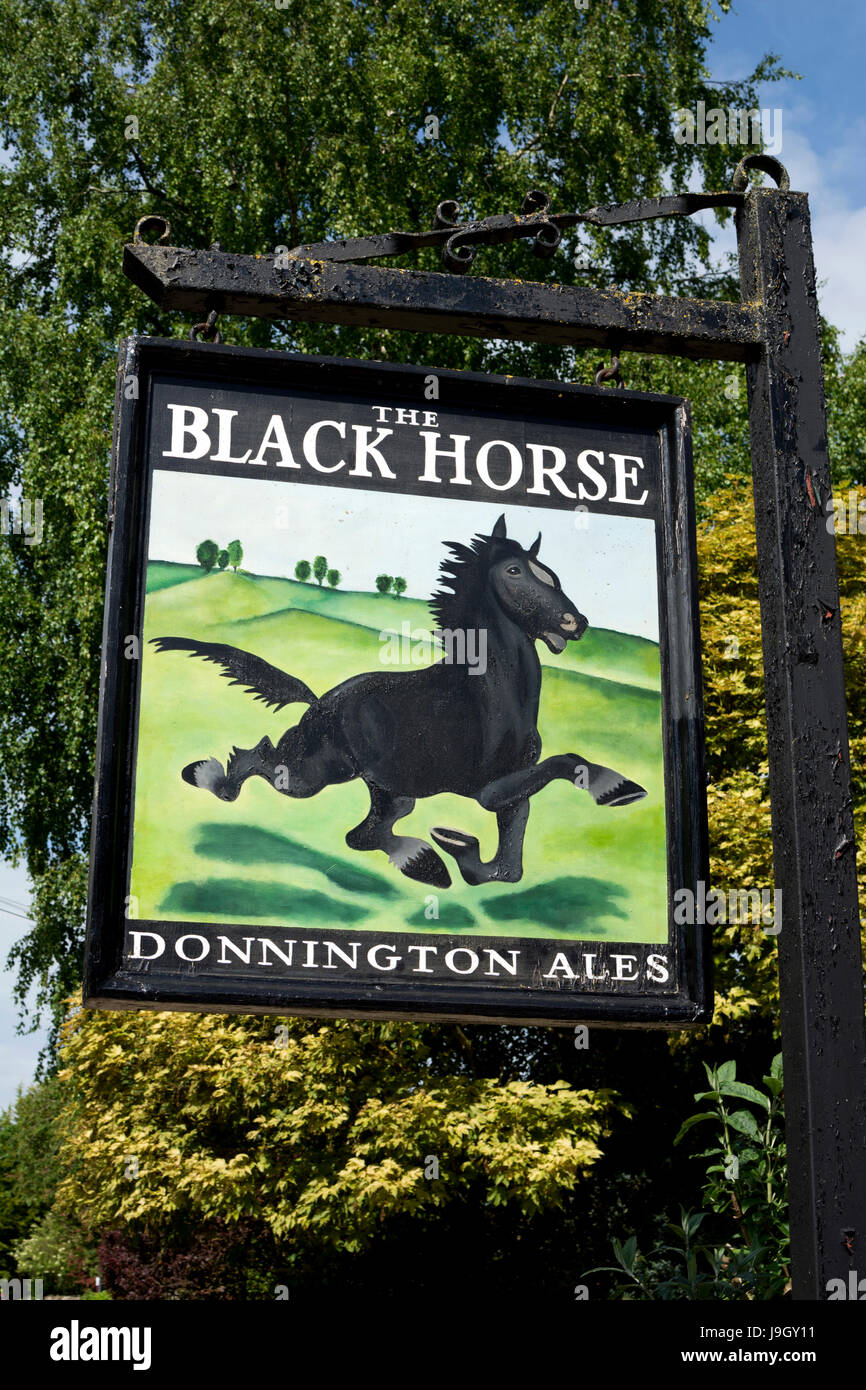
[(334, 577), (223, 559), (236, 554), (399, 585), (206, 553), (383, 583), (302, 570), (320, 568)]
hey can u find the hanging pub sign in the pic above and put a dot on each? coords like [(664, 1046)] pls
[(401, 707)]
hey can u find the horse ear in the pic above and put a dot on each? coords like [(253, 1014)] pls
[(498, 532), (534, 548)]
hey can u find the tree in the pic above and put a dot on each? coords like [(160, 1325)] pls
[(398, 585), (243, 1143), (83, 75), (223, 559), (236, 554), (206, 552), (302, 570), (320, 568), (383, 583), (334, 578)]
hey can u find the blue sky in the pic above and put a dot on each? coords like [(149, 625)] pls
[(823, 139), (823, 128)]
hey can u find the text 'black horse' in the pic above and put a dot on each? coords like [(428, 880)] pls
[(446, 728)]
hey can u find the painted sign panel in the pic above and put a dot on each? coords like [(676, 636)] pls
[(401, 710)]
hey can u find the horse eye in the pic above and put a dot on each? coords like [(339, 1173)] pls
[(513, 569)]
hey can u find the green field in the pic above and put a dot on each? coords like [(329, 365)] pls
[(589, 872)]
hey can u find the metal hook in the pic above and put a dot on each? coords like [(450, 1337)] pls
[(150, 224), (611, 373), (767, 165), (447, 213), (206, 331)]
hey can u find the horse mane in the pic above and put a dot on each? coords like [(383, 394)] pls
[(457, 602)]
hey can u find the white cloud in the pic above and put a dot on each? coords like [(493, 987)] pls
[(838, 223)]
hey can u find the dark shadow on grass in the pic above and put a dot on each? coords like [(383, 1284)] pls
[(451, 915), (242, 900), (572, 905), (248, 844)]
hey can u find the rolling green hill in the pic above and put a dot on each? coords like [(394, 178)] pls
[(609, 655), (590, 873)]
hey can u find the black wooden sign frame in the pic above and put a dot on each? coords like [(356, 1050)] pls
[(614, 994)]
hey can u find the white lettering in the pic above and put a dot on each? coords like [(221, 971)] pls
[(364, 447), (224, 438), (624, 475), (484, 471), (137, 937), (275, 437), (586, 468), (373, 958), (180, 947), (311, 439), (187, 419), (432, 453), (542, 470)]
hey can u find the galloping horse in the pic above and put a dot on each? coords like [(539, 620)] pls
[(447, 728)]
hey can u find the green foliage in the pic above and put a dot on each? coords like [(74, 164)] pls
[(748, 1179), (690, 1269), (334, 578), (322, 1132), (738, 790), (383, 583), (108, 112), (235, 554), (302, 570), (320, 568), (207, 554), (36, 1138), (59, 1250), (398, 585), (223, 559), (33, 1240), (746, 1184), (16, 1215)]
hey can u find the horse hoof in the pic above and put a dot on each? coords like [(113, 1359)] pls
[(427, 867), (622, 795), (206, 773), (453, 841)]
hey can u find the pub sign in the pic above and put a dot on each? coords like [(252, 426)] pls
[(401, 710)]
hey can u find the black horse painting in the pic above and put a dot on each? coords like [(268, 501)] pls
[(449, 727)]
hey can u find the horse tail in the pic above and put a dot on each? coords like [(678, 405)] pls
[(264, 682)]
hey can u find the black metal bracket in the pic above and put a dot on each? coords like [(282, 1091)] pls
[(323, 282), (459, 239)]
